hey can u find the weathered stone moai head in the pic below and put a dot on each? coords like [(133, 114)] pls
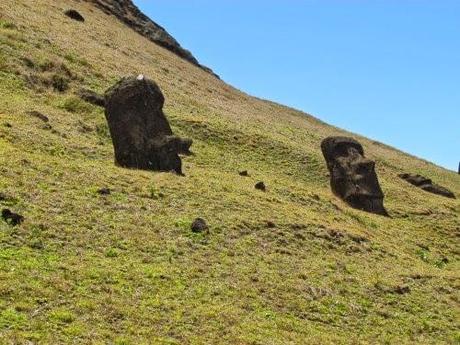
[(427, 185), (141, 135), (353, 176)]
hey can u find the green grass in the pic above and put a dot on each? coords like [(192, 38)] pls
[(126, 268)]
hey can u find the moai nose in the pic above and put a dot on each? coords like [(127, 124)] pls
[(365, 166)]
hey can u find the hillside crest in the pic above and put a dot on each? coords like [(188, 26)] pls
[(127, 12)]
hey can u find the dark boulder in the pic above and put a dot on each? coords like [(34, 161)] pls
[(260, 186), (199, 225), (271, 224), (12, 218), (141, 135), (352, 176), (75, 15), (104, 191), (427, 185), (244, 173), (91, 97)]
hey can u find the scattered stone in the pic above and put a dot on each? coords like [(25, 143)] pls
[(75, 15), (271, 224), (104, 191), (260, 186), (427, 185), (401, 289), (38, 115), (244, 173), (91, 97), (199, 225), (8, 125), (352, 176), (141, 135), (12, 218)]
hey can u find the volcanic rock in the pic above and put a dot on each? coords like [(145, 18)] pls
[(141, 135), (104, 191), (352, 176), (12, 218), (260, 186), (427, 185), (199, 225), (75, 15)]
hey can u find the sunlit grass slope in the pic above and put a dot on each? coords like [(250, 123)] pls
[(126, 269)]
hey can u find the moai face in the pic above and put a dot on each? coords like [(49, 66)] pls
[(353, 176), (141, 134)]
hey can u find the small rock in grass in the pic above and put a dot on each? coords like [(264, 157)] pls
[(261, 186), (75, 15), (401, 290), (271, 224), (244, 173), (199, 225), (104, 191), (445, 260), (12, 218)]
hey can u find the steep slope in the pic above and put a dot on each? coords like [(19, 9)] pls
[(126, 269), (129, 14)]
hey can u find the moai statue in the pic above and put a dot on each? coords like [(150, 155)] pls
[(353, 176), (427, 185), (141, 135)]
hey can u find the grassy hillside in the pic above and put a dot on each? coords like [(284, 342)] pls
[(126, 269)]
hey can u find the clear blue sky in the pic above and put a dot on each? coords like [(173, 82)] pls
[(388, 69)]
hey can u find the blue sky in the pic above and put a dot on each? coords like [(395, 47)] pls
[(389, 69)]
